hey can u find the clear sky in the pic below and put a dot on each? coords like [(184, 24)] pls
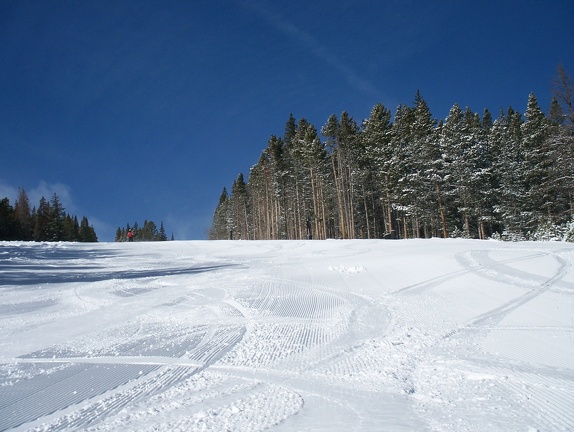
[(134, 110)]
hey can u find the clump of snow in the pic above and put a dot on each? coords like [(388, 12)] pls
[(348, 270)]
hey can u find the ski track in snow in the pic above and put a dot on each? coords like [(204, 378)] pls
[(439, 335)]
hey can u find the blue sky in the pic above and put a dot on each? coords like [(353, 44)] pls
[(146, 110)]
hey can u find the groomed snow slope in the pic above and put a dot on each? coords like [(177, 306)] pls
[(438, 335)]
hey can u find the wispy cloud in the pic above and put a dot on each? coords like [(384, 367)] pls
[(43, 189), (8, 191), (312, 45), (47, 190)]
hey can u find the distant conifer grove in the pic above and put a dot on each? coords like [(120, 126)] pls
[(147, 232), (49, 222), (409, 176)]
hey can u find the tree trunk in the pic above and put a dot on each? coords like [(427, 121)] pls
[(442, 212)]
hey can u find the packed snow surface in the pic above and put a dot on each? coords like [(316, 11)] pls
[(423, 335)]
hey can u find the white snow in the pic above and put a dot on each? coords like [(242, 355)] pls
[(437, 335)]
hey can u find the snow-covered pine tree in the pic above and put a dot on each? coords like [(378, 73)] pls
[(376, 176), (505, 141), (429, 217), (535, 167), (310, 163), (240, 209)]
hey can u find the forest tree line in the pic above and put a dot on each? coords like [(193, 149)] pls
[(48, 222), (409, 175), (147, 232)]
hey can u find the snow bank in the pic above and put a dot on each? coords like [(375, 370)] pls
[(444, 335)]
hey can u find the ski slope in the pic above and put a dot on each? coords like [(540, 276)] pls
[(358, 335)]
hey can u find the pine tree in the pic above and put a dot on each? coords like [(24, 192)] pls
[(120, 235), (148, 232), (481, 182), (561, 143), (377, 168), (41, 224), (220, 228), (424, 179), (506, 137), (467, 176), (71, 229), (23, 216), (87, 233), (400, 167), (56, 219), (343, 144), (8, 226), (556, 113), (260, 195), (309, 157), (535, 167), (161, 233), (240, 208)]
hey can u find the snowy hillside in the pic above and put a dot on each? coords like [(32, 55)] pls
[(437, 335)]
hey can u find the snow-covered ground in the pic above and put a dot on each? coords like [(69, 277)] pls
[(439, 335)]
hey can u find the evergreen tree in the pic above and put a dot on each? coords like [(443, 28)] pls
[(424, 194), (400, 167), (561, 144), (240, 209), (148, 232), (277, 165), (379, 184), (86, 232), (43, 219), (8, 227), (48, 223), (310, 166), (70, 229), (411, 177), (556, 113), (23, 215), (535, 166), (161, 233), (220, 228), (506, 139), (487, 121), (57, 216), (343, 144), (260, 195), (120, 235)]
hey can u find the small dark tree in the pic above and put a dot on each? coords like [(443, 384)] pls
[(41, 231), (8, 227), (23, 216), (56, 219), (87, 232), (161, 234)]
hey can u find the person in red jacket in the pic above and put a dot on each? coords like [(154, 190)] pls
[(130, 235)]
